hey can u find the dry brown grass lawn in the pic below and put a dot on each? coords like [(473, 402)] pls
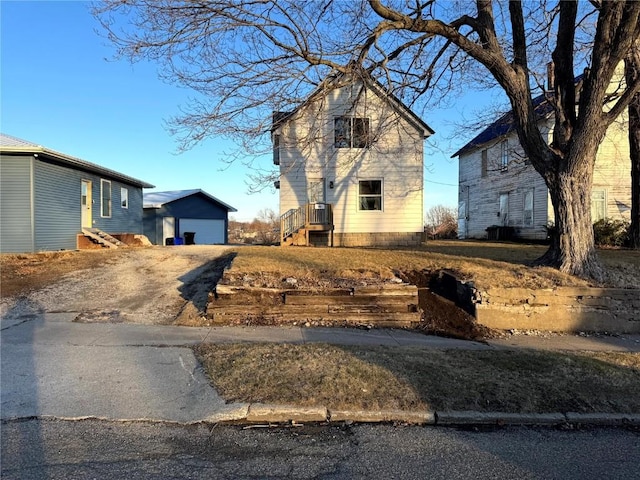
[(487, 264), (22, 273), (410, 378)]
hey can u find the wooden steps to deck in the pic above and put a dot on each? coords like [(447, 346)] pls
[(380, 306), (102, 238)]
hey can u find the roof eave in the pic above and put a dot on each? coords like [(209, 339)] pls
[(38, 150)]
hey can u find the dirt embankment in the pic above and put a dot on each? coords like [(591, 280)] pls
[(143, 285)]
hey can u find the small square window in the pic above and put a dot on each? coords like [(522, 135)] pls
[(370, 195)]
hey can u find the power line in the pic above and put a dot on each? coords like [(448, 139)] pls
[(441, 183)]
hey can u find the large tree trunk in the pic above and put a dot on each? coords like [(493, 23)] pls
[(572, 249), (632, 72)]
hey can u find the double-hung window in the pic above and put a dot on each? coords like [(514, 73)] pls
[(370, 195), (351, 132)]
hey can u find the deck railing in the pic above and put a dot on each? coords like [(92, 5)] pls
[(319, 213), (310, 214)]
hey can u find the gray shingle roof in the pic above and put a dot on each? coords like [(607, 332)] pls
[(14, 145)]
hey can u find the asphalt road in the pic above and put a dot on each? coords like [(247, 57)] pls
[(41, 449)]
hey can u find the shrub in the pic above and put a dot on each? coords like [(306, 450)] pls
[(611, 233)]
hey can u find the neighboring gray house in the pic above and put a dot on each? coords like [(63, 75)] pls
[(178, 214), (48, 198)]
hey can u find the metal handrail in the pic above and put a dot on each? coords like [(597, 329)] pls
[(310, 214), (292, 221)]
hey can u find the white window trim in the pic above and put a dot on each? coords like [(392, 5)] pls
[(102, 184), (124, 195), (358, 205)]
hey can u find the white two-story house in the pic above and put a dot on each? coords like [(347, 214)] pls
[(351, 167), (498, 187)]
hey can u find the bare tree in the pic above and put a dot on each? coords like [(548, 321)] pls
[(441, 222), (250, 58), (632, 73), (267, 226)]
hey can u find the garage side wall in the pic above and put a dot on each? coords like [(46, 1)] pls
[(152, 225), (16, 219)]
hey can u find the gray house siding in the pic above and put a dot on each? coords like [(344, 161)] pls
[(57, 206), (40, 200), (16, 208)]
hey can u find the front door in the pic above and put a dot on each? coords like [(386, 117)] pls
[(86, 204)]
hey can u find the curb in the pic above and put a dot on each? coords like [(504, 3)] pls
[(256, 413), (279, 414)]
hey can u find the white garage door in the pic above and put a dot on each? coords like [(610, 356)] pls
[(207, 231)]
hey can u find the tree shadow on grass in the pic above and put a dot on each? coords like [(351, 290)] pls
[(196, 286)]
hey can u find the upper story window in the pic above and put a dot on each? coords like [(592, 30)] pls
[(105, 198), (124, 197), (370, 195), (504, 155), (276, 149), (351, 132), (483, 164)]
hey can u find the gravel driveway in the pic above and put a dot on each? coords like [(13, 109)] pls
[(154, 285)]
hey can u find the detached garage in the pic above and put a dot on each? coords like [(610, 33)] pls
[(189, 216)]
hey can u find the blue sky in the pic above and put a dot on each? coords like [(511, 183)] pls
[(61, 89)]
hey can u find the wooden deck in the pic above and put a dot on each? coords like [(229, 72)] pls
[(299, 226)]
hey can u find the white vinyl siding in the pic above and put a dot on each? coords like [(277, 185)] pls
[(396, 157)]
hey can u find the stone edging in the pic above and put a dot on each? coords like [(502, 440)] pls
[(264, 413)]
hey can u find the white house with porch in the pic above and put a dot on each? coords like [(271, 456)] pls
[(351, 167)]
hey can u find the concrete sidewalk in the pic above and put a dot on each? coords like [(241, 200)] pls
[(53, 367)]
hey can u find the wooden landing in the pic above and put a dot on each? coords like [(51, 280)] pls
[(379, 306)]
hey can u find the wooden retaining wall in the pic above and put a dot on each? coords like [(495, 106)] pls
[(380, 306)]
